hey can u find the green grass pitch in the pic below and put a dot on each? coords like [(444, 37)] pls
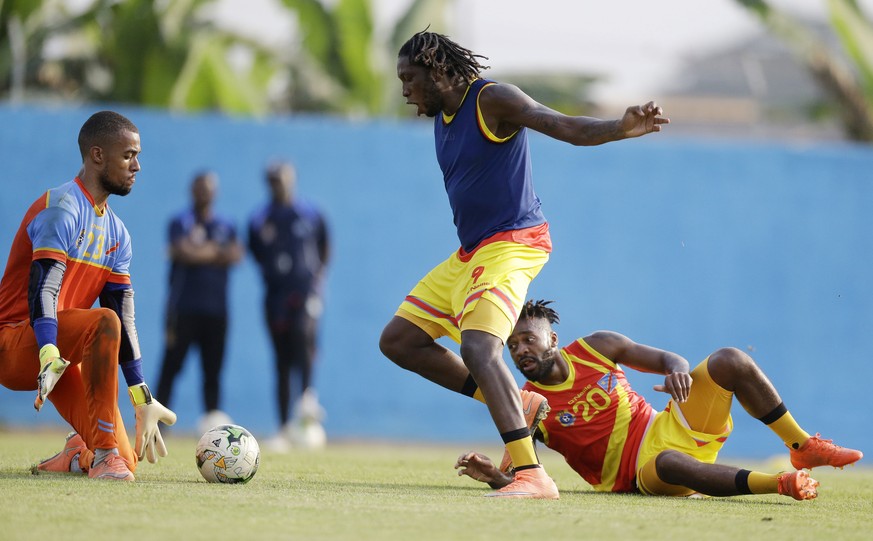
[(388, 492)]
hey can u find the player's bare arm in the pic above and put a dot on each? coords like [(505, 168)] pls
[(505, 108), (624, 351), (480, 468)]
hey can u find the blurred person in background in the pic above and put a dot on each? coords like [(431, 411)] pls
[(203, 246), (71, 250), (474, 296), (617, 442), (288, 239)]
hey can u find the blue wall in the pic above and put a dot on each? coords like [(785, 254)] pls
[(685, 245)]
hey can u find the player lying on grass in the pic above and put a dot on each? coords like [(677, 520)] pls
[(617, 442)]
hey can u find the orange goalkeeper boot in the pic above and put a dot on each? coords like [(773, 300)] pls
[(535, 408), (820, 452), (529, 483), (60, 463), (797, 484), (112, 468)]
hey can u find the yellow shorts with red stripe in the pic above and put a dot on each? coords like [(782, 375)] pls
[(671, 430), (443, 302)]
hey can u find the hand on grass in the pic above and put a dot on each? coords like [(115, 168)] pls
[(480, 468)]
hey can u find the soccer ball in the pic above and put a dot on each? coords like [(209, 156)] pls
[(228, 454)]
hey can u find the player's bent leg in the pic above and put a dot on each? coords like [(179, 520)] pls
[(653, 483), (412, 347), (125, 449), (18, 353), (708, 407), (673, 473), (481, 353), (736, 371), (89, 399), (535, 408)]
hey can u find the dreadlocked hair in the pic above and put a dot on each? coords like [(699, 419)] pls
[(438, 52), (539, 310)]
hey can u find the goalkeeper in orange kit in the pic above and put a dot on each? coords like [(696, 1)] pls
[(71, 250)]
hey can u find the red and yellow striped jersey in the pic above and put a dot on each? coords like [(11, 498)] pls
[(597, 421)]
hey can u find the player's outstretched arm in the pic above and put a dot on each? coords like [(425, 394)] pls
[(506, 108), (480, 468), (623, 350)]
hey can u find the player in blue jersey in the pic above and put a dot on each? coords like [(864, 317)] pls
[(288, 238), (475, 296), (203, 248), (71, 250)]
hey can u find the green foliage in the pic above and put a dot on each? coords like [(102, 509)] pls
[(137, 51), (849, 89), (347, 67), (856, 34), (167, 54)]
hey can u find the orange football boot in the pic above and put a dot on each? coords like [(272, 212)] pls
[(797, 484), (820, 452)]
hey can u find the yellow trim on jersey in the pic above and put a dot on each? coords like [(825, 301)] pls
[(617, 440), (89, 263), (447, 119), (567, 383), (571, 360), (53, 250), (484, 127), (596, 353), (621, 426)]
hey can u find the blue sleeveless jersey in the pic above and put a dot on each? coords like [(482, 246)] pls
[(488, 180)]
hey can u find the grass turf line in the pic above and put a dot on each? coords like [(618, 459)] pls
[(387, 492)]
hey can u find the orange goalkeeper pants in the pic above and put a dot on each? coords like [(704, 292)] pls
[(86, 396)]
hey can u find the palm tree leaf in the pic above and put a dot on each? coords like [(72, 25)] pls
[(316, 27), (856, 34), (354, 23)]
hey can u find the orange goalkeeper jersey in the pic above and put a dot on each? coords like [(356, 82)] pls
[(597, 421)]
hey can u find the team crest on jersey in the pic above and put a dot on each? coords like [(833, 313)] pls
[(607, 382), (80, 239), (566, 418)]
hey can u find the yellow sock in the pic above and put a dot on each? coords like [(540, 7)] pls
[(522, 452), (787, 428), (763, 483), (479, 396)]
